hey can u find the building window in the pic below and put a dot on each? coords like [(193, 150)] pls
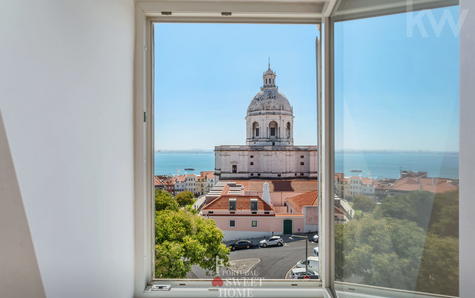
[(254, 224), (252, 156), (273, 128), (255, 129), (232, 204), (301, 156), (232, 223), (253, 205), (272, 131), (252, 163), (302, 163), (234, 168)]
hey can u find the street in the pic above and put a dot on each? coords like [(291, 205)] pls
[(268, 263)]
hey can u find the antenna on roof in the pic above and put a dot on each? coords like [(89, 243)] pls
[(268, 62)]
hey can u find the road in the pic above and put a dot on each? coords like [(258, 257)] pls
[(268, 263)]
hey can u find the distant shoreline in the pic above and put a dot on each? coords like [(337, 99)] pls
[(337, 151)]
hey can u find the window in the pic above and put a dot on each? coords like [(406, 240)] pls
[(232, 204), (232, 223), (254, 224), (390, 142), (251, 163), (253, 204), (302, 163), (255, 129), (273, 128), (276, 133)]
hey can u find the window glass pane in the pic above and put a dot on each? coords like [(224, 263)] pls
[(235, 151), (396, 130)]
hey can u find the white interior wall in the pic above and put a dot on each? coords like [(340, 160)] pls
[(467, 150), (66, 74)]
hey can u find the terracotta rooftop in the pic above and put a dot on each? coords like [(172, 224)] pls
[(434, 185), (242, 203), (207, 174), (162, 180), (306, 199)]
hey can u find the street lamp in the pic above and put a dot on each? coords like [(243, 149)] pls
[(306, 249)]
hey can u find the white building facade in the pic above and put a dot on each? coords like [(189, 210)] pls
[(269, 151)]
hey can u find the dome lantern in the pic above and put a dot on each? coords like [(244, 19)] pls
[(269, 115), (268, 78)]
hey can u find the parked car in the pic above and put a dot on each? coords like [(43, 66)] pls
[(301, 273), (314, 238), (315, 251), (242, 244), (312, 263), (272, 241)]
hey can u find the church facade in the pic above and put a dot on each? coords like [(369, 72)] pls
[(269, 151)]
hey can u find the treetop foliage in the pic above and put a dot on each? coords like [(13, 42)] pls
[(409, 241)]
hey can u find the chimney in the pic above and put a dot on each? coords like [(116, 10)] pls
[(266, 193)]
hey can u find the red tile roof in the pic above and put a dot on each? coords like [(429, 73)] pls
[(306, 199), (434, 185), (242, 203)]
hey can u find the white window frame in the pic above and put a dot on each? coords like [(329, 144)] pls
[(318, 12)]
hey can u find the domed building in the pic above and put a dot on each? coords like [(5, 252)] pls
[(269, 151)]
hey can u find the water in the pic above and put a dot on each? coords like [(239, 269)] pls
[(371, 164), (388, 164), (174, 163)]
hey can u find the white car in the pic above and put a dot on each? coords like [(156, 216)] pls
[(301, 273), (312, 263), (315, 251), (272, 241), (315, 238)]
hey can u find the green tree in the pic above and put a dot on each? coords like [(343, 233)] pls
[(409, 242), (185, 198), (364, 203), (414, 206), (165, 201), (183, 239), (445, 215), (439, 268), (379, 251)]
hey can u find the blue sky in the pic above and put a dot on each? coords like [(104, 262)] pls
[(392, 92)]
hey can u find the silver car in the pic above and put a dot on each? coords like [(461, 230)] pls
[(272, 241)]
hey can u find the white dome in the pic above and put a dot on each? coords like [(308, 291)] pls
[(269, 101), (269, 120)]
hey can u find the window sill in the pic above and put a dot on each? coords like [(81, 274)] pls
[(238, 292)]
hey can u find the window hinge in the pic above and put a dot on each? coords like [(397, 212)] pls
[(144, 116), (159, 287)]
